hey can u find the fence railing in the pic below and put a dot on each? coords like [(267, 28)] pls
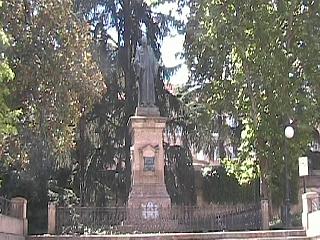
[(11, 208), (155, 219), (5, 206), (314, 204)]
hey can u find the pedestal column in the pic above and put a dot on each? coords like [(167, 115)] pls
[(147, 161)]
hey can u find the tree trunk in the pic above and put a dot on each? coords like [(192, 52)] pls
[(222, 151), (82, 160), (129, 86), (264, 185)]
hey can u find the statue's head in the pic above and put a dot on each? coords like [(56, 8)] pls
[(144, 41)]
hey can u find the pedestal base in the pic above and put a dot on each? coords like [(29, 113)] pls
[(145, 195)]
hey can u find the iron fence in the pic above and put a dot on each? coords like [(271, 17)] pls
[(11, 208), (113, 220), (314, 204), (4, 206)]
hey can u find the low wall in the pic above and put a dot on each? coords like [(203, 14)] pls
[(11, 225), (6, 236), (11, 228), (311, 214), (13, 221), (313, 224)]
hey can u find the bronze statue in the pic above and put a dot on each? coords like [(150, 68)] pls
[(146, 67)]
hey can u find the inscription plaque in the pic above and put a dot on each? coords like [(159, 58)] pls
[(149, 164)]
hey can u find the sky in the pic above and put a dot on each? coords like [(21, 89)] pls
[(173, 44)]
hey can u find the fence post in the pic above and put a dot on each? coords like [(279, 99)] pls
[(19, 206), (307, 206), (52, 211), (265, 214)]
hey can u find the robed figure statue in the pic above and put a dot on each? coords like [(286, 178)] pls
[(146, 68)]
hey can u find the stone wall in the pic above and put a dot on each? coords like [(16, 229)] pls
[(14, 225), (6, 236), (11, 228), (311, 214), (11, 225), (313, 224)]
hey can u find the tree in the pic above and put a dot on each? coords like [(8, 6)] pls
[(117, 27), (180, 175), (8, 117), (54, 68), (222, 187), (56, 83), (255, 61)]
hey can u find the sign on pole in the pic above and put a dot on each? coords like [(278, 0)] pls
[(303, 166)]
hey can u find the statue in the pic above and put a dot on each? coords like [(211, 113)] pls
[(146, 67)]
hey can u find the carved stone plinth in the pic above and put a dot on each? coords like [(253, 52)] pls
[(147, 111), (147, 161)]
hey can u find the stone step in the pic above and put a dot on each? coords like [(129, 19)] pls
[(274, 234), (250, 235), (276, 238), (152, 228), (144, 237), (265, 234)]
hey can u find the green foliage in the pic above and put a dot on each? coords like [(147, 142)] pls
[(179, 173), (222, 187), (56, 83), (256, 62), (244, 171), (60, 189), (106, 141), (56, 78), (8, 117)]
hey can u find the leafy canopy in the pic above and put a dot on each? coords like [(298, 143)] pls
[(8, 117), (57, 80), (256, 61)]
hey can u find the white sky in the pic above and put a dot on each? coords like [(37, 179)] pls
[(173, 44)]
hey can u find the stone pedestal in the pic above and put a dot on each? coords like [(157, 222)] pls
[(147, 161), (147, 111)]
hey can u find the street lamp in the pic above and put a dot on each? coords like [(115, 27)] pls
[(289, 133)]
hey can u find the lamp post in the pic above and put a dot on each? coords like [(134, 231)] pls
[(289, 133), (116, 176)]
